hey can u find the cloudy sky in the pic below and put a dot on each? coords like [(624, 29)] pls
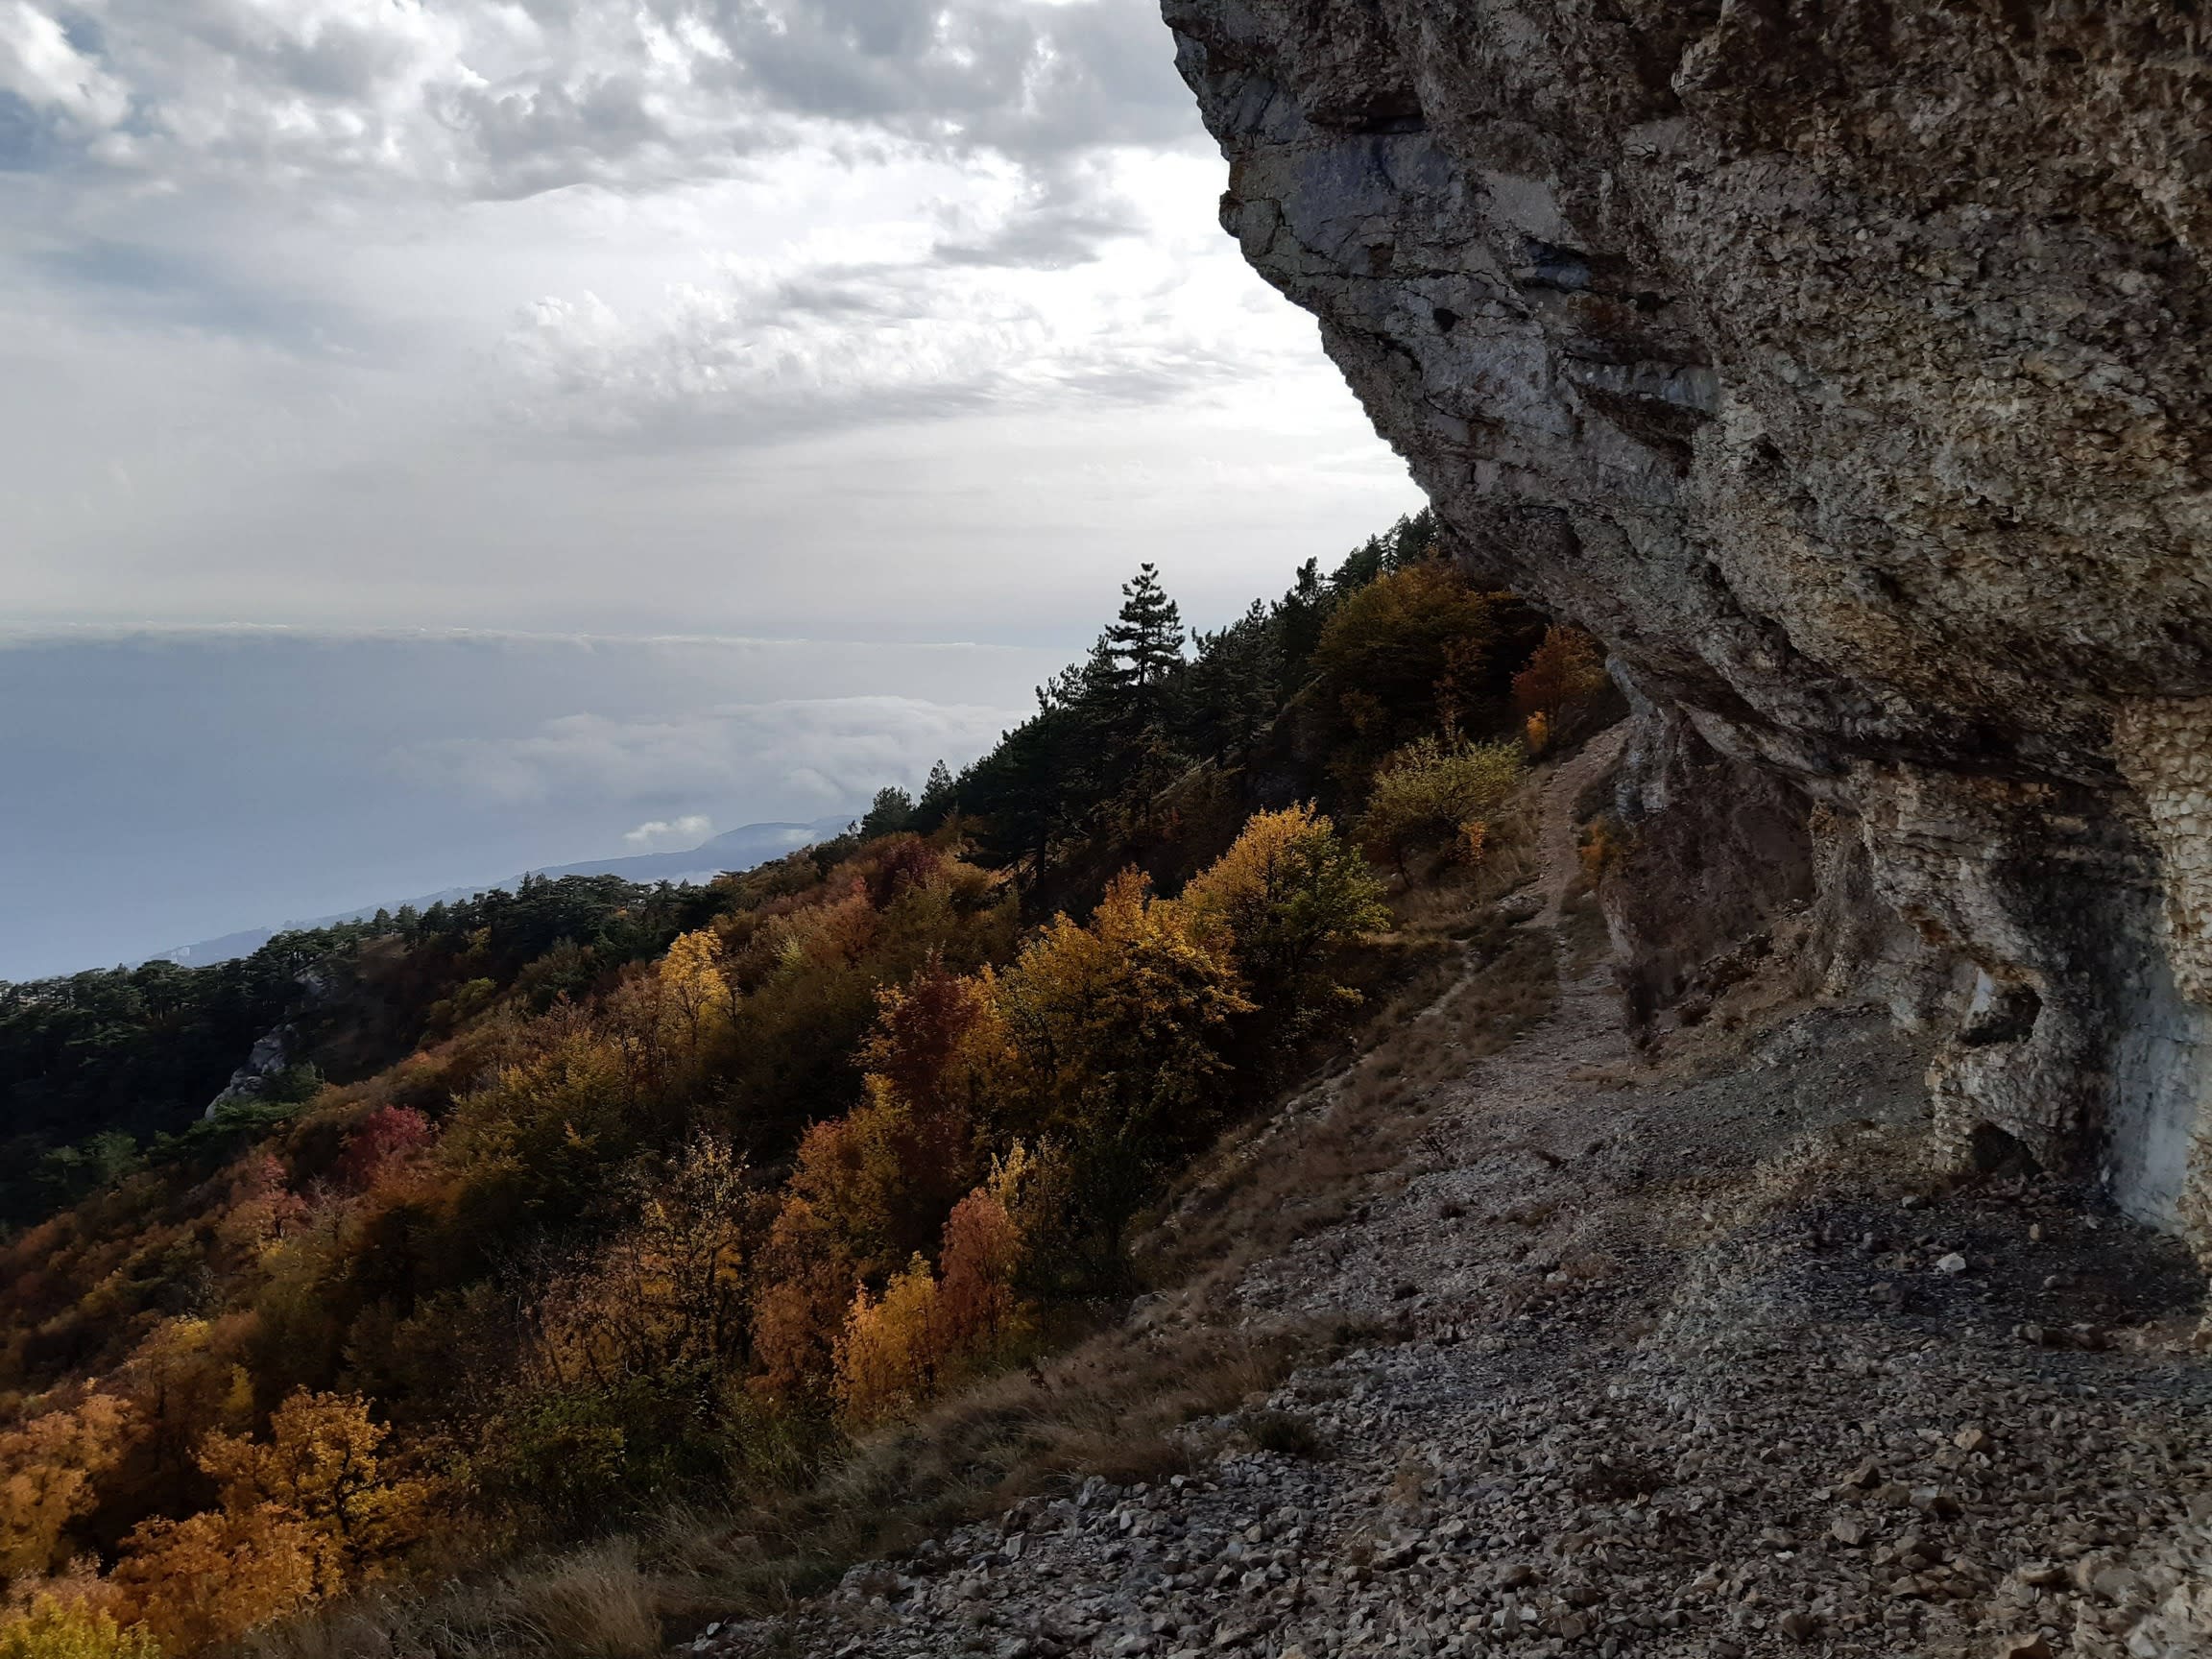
[(345, 331)]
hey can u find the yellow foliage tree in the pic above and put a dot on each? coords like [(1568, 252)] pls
[(671, 1293), (698, 998), (185, 1376), (889, 1350), (323, 1465), (886, 1174), (1414, 640), (1289, 888), (1115, 1035), (532, 1143), (53, 1627)]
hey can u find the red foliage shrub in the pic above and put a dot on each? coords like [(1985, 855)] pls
[(388, 1135)]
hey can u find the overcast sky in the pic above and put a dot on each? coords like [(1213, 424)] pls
[(821, 320)]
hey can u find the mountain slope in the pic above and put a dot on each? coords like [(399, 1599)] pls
[(1684, 1357)]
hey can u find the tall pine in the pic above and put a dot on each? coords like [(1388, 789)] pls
[(1146, 639)]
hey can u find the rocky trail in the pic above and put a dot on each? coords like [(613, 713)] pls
[(1677, 1353)]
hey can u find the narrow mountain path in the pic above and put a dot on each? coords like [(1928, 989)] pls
[(1682, 1358), (1559, 853)]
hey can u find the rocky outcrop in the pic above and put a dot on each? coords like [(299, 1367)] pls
[(266, 1063), (1841, 363)]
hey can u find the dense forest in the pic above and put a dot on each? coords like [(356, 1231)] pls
[(566, 1206)]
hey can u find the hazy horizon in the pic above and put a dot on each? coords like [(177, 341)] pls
[(199, 782), (178, 784)]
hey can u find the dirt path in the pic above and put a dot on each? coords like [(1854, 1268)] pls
[(1679, 1368), (1558, 858)]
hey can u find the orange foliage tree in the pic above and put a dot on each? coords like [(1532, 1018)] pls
[(928, 1327), (312, 1508), (1565, 674), (935, 1040), (806, 1285), (48, 1470), (212, 1576), (981, 1306), (381, 1142)]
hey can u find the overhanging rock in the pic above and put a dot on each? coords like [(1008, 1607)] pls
[(1841, 365)]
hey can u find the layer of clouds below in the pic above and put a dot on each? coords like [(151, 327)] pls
[(193, 784), (826, 755)]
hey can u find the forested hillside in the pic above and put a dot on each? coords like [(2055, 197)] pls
[(578, 1204)]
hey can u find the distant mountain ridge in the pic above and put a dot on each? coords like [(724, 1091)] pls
[(740, 849)]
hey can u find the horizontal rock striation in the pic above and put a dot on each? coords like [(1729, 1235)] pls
[(1841, 363)]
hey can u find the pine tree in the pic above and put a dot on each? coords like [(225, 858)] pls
[(938, 801), (1146, 639), (891, 811), (1413, 539), (1298, 618), (1232, 686)]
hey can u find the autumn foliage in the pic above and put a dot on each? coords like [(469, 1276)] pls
[(671, 1192), (1564, 681)]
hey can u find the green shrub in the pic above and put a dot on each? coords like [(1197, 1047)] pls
[(1428, 795)]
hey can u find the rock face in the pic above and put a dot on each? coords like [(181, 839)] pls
[(1841, 364)]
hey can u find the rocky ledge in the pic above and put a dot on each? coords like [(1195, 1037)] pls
[(1841, 364)]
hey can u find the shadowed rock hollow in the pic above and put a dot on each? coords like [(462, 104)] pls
[(1841, 365)]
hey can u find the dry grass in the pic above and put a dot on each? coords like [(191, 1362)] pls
[(1451, 897), (1273, 1182), (1289, 1433), (598, 1601), (1115, 1406), (1582, 923), (1514, 985)]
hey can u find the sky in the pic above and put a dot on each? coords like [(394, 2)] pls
[(386, 388)]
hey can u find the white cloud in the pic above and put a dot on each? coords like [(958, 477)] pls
[(491, 99), (820, 316), (1016, 300), (40, 65), (687, 830)]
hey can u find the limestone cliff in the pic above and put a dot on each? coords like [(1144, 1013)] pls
[(1841, 363)]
